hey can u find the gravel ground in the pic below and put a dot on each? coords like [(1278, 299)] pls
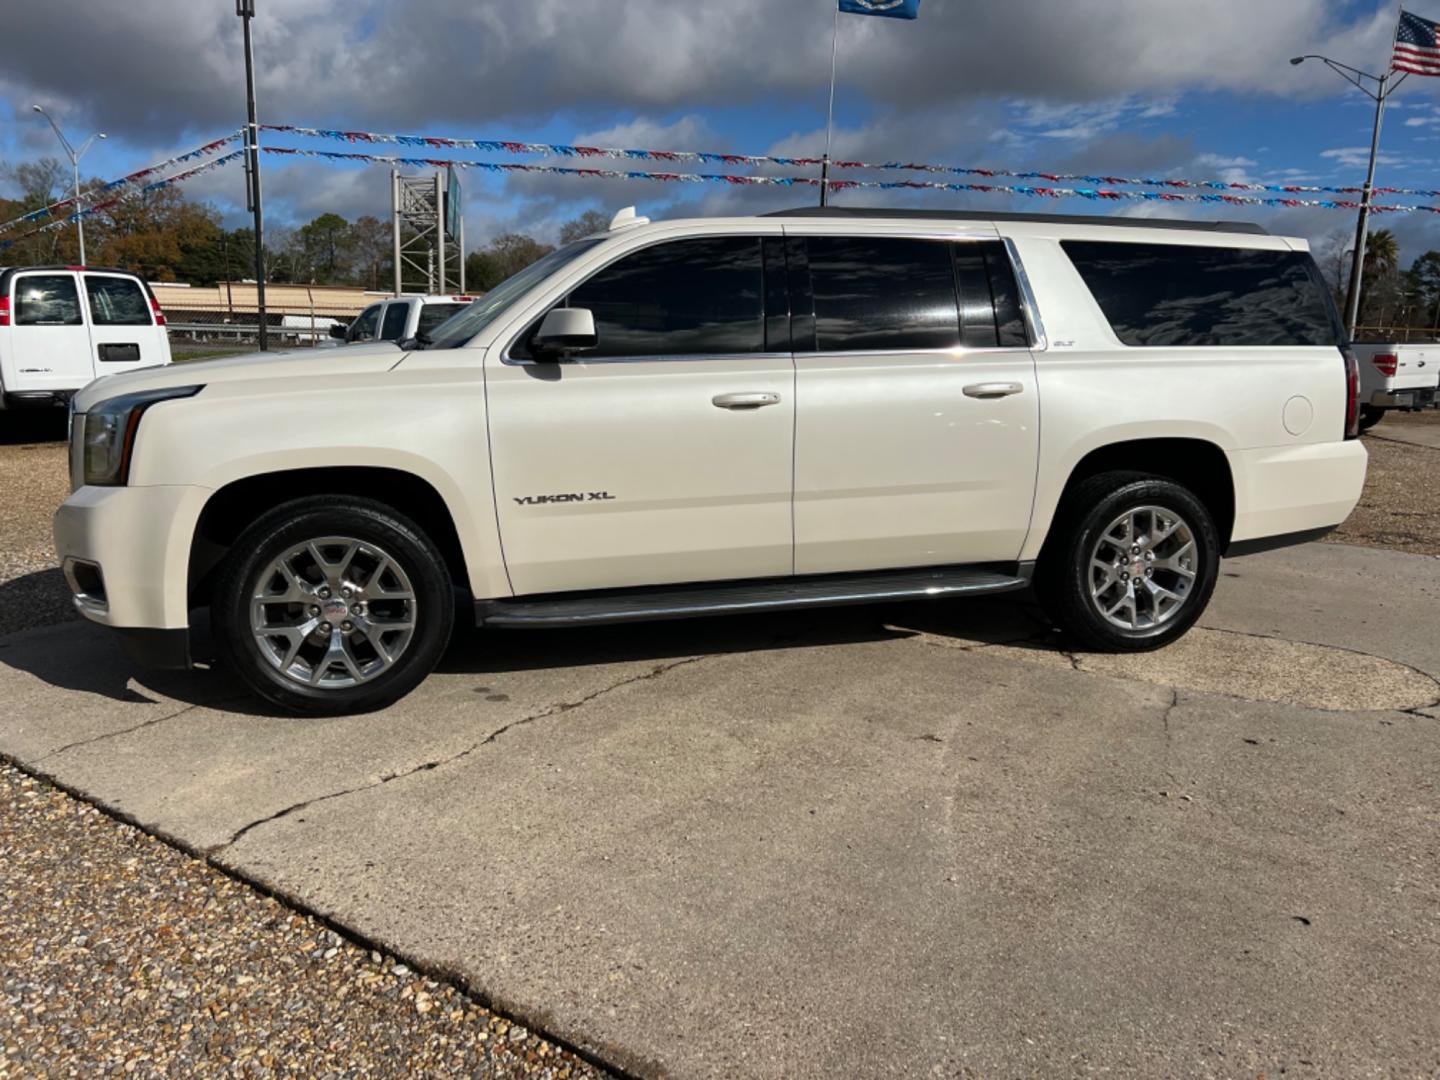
[(1400, 508), (121, 955), (34, 480)]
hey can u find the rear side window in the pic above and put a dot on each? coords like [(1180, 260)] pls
[(432, 315), (685, 298), (394, 325), (47, 300), (116, 301), (1173, 295), (882, 293)]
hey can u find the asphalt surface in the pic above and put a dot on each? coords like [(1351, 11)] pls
[(911, 841)]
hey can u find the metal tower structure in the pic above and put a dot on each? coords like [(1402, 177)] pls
[(429, 228)]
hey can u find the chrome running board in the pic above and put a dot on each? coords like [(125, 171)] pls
[(735, 598)]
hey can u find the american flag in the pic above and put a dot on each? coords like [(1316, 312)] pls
[(1417, 47)]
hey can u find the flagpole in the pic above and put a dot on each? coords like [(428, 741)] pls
[(830, 115), (1362, 226)]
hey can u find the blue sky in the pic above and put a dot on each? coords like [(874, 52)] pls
[(1126, 87)]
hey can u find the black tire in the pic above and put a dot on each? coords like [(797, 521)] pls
[(410, 551), (1063, 576), (1370, 416)]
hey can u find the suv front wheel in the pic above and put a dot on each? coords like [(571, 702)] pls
[(332, 605), (1132, 562)]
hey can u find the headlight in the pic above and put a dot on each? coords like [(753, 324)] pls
[(109, 433)]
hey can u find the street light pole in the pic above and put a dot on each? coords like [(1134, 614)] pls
[(75, 156), (1383, 87), (246, 10)]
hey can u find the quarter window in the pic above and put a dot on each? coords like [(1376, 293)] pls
[(685, 298), (47, 300), (1180, 295), (880, 293), (116, 301)]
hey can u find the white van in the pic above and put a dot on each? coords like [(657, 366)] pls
[(64, 326)]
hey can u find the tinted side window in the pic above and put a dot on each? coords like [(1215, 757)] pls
[(990, 314), (116, 302), (1169, 295), (363, 328), (47, 300), (883, 293), (394, 325), (687, 297)]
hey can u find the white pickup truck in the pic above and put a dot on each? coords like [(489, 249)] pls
[(1396, 376), (64, 326), (400, 319)]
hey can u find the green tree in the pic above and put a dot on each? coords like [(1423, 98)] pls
[(372, 250), (321, 251), (505, 255)]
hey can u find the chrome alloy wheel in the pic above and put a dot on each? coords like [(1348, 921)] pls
[(333, 612), (1142, 568)]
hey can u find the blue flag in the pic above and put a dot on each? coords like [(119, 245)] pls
[(891, 9)]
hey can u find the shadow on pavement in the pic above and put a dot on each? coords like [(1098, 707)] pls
[(101, 668), (19, 426)]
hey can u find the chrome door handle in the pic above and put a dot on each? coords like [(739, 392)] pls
[(992, 389), (747, 400)]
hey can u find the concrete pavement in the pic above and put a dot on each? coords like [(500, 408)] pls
[(885, 841)]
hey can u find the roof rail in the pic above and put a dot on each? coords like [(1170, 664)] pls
[(868, 213)]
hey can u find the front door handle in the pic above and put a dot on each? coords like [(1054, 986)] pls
[(992, 389), (753, 399)]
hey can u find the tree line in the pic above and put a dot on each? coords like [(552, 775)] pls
[(164, 236)]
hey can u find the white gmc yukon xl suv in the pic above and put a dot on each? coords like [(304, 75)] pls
[(738, 414)]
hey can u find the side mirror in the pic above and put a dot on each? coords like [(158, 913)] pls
[(564, 330), (338, 330)]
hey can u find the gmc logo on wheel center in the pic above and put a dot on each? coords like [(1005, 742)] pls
[(569, 497)]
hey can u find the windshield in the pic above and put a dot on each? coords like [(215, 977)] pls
[(458, 331)]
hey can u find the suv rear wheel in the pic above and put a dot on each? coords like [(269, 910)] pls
[(332, 605), (1132, 562)]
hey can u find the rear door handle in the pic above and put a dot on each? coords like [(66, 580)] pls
[(752, 399), (992, 389)]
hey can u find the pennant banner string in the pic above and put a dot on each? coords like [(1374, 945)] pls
[(1094, 194), (130, 193), (505, 146), (115, 186)]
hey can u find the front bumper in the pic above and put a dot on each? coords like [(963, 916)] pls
[(136, 540)]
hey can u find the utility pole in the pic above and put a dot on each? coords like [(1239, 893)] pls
[(74, 156), (246, 10), (1378, 88)]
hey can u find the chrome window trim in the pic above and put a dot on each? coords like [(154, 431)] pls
[(956, 351), (1038, 341), (688, 358)]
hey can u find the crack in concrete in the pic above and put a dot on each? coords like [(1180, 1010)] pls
[(549, 710), (133, 728)]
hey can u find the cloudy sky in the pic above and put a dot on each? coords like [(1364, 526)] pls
[(1122, 87)]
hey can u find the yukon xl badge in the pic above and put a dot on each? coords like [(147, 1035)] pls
[(569, 497)]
